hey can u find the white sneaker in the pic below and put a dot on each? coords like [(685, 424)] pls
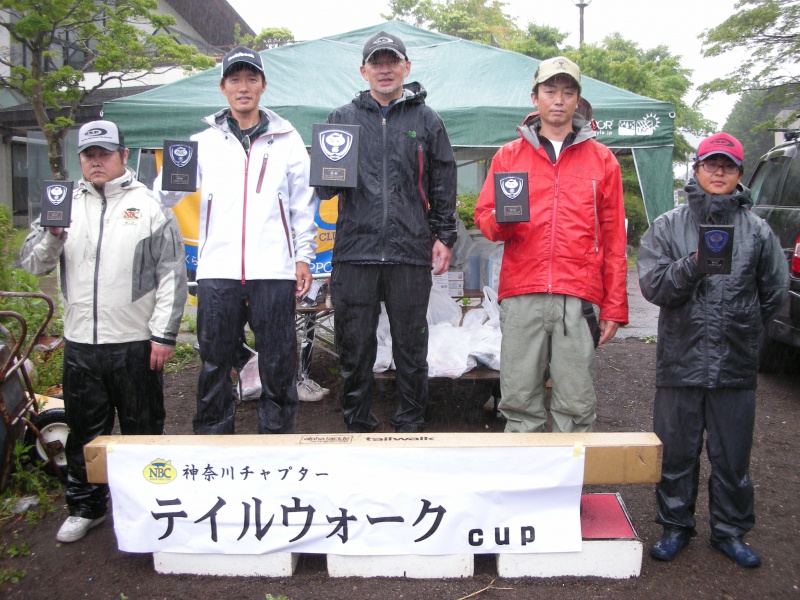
[(309, 390), (74, 528)]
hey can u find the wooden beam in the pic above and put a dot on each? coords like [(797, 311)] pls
[(611, 458)]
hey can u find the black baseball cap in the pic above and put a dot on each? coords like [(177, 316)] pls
[(240, 54), (384, 41)]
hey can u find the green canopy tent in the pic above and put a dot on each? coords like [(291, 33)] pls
[(481, 92)]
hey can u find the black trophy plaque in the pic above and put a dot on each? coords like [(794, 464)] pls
[(511, 198), (179, 170), (715, 249), (56, 204), (334, 155)]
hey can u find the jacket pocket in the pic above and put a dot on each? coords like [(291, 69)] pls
[(285, 224), (262, 173)]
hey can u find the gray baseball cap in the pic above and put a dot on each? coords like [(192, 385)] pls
[(100, 133)]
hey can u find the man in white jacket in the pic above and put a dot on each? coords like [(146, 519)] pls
[(123, 280), (257, 238)]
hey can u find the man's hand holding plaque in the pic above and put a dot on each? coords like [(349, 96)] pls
[(334, 155), (179, 170)]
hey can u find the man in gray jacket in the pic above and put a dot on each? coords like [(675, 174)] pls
[(123, 280), (709, 330)]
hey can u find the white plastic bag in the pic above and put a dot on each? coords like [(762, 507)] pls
[(448, 351), (484, 345), (383, 358), (249, 387), (442, 309), (491, 306)]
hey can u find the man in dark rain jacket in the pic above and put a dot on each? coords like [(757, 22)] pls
[(709, 330), (392, 228)]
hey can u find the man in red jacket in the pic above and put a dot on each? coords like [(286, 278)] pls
[(563, 264)]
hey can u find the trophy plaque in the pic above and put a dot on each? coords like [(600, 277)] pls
[(56, 204), (715, 249), (334, 155), (511, 198), (179, 170)]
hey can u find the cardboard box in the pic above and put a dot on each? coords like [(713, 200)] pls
[(614, 457), (441, 282)]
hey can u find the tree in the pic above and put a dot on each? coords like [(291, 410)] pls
[(270, 37), (749, 123), (481, 21), (769, 30), (63, 40), (539, 41), (655, 73)]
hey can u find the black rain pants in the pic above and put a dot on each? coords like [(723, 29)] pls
[(357, 291), (680, 416), (99, 381), (223, 308)]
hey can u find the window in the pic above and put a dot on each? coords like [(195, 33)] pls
[(764, 182)]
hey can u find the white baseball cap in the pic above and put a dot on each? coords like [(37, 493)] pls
[(100, 133)]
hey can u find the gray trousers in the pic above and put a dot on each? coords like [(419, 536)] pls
[(542, 329), (727, 415)]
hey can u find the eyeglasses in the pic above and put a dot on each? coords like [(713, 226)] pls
[(713, 167), (246, 144)]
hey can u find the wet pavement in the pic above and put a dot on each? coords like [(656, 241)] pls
[(642, 316)]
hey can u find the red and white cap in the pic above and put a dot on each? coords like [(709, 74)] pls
[(721, 143)]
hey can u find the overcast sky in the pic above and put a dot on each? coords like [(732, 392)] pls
[(650, 23)]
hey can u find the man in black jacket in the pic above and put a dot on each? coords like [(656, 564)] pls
[(709, 329), (393, 227)]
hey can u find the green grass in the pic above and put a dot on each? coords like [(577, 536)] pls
[(184, 356), (189, 323)]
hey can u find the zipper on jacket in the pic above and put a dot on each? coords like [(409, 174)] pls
[(384, 233), (553, 226), (425, 204), (244, 210), (208, 221), (97, 265), (596, 218), (261, 175), (285, 224)]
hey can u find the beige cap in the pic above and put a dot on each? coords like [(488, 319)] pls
[(556, 66)]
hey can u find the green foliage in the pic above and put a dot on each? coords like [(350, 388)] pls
[(278, 597), (465, 207), (49, 368), (482, 21), (16, 280), (654, 73), (184, 355), (539, 41), (189, 323), (769, 31), (27, 478), (270, 37), (634, 204), (109, 36), (15, 551), (11, 575), (749, 121)]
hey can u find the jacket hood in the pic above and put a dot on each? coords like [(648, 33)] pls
[(585, 129), (716, 208), (412, 92), (126, 181), (277, 124)]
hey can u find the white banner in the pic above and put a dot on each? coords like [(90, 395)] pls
[(346, 500)]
